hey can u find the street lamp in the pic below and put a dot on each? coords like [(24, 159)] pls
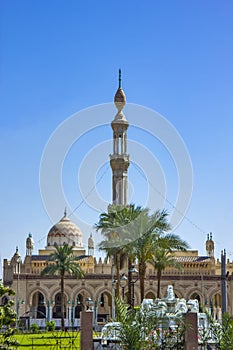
[(123, 280), (18, 261), (134, 277), (114, 282)]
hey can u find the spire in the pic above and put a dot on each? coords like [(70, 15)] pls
[(65, 213), (119, 160), (119, 78)]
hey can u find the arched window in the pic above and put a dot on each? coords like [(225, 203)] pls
[(102, 300), (38, 305), (57, 307), (79, 307)]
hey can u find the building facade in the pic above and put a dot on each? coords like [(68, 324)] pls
[(38, 299)]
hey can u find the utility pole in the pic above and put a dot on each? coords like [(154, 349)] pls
[(223, 281)]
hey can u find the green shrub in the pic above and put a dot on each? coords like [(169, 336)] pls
[(34, 328), (50, 326)]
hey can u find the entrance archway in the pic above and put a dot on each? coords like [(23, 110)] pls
[(38, 305), (57, 306)]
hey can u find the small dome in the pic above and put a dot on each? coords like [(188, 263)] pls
[(16, 258), (65, 232)]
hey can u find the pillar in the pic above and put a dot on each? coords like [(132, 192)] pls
[(86, 330), (191, 331)]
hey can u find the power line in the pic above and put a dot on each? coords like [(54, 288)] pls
[(84, 199), (167, 200)]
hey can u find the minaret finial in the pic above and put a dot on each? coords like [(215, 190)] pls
[(119, 78), (65, 212)]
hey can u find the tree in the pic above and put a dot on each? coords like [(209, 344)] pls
[(163, 254), (115, 227), (131, 231), (144, 231), (60, 262), (7, 317), (226, 342)]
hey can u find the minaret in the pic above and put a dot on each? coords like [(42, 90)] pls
[(119, 160), (29, 245), (210, 245), (91, 245)]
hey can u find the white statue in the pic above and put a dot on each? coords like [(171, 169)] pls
[(194, 305), (170, 292), (181, 307)]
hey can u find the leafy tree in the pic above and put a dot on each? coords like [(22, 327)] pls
[(62, 262), (7, 317), (226, 342), (163, 254)]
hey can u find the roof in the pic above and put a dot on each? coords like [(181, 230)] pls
[(184, 259), (46, 257)]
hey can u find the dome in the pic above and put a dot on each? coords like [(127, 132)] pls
[(16, 260), (65, 231)]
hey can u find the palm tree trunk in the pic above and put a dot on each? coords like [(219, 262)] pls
[(62, 303), (117, 275), (129, 296), (142, 273), (159, 273)]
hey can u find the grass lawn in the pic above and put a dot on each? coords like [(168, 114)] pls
[(49, 340)]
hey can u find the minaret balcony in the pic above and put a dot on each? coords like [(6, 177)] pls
[(122, 157)]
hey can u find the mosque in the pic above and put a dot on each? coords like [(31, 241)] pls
[(38, 298)]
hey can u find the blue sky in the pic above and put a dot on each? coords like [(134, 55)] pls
[(59, 57)]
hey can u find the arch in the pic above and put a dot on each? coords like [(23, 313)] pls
[(216, 299), (32, 293), (56, 310), (104, 304), (178, 294), (193, 291), (150, 295), (38, 307), (79, 305), (85, 291), (195, 295)]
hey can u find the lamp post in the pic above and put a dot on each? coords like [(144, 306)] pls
[(48, 310), (72, 315), (123, 280), (18, 261), (114, 282), (134, 274), (95, 314)]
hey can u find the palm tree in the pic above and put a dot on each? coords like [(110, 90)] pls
[(115, 226), (163, 254), (145, 229), (63, 261), (131, 231)]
